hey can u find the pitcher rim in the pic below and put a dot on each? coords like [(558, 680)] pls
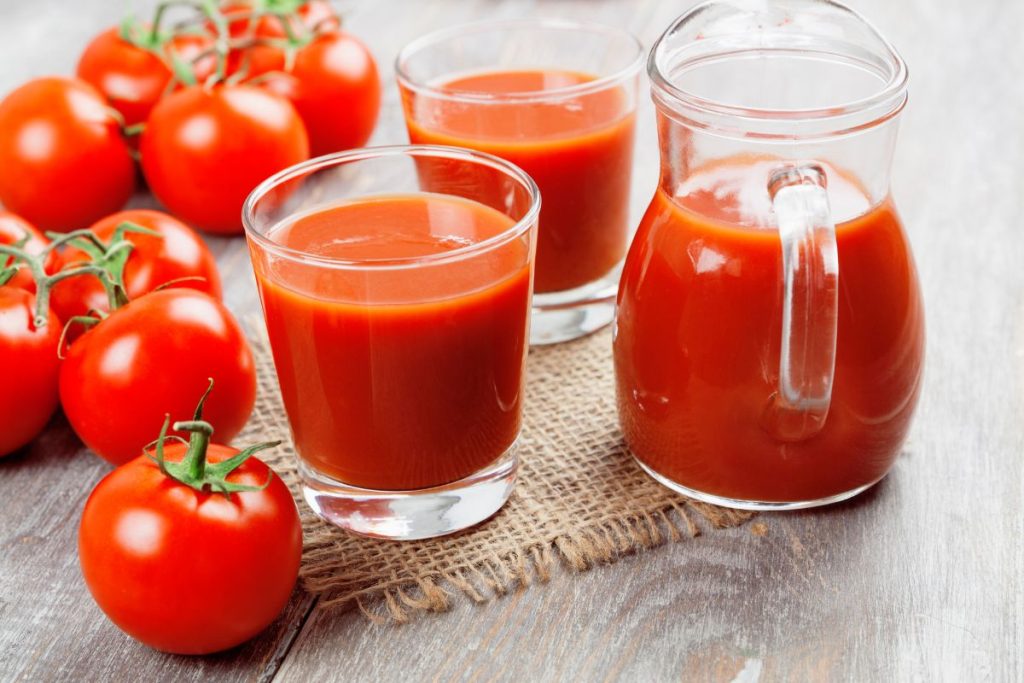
[(850, 116)]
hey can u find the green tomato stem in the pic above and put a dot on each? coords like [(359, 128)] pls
[(44, 282), (194, 470)]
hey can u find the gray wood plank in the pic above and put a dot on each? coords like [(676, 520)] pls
[(917, 580)]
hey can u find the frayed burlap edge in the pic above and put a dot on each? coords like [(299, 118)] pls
[(398, 599)]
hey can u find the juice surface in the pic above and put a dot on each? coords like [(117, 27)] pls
[(399, 378), (578, 150), (698, 337)]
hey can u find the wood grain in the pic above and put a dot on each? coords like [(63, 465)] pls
[(920, 579)]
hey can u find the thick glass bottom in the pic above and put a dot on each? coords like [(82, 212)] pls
[(574, 313), (411, 515), (757, 505)]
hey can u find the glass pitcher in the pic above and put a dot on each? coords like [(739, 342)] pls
[(769, 337)]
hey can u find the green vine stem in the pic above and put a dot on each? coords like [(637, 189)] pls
[(222, 40), (111, 257), (45, 283), (193, 470), (85, 321)]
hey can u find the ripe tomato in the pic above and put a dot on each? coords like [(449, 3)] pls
[(203, 150), (315, 14), (177, 253), (150, 358), (63, 160), (256, 60), (29, 367), (179, 565), (131, 75), (13, 229), (336, 90)]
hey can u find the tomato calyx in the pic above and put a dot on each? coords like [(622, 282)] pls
[(193, 470), (109, 257)]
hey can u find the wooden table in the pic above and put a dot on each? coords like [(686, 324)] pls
[(919, 579)]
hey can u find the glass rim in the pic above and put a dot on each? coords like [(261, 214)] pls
[(884, 103), (338, 159), (632, 68)]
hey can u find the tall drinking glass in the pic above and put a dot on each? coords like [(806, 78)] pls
[(399, 320), (558, 99)]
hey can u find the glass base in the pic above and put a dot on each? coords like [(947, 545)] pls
[(757, 505), (411, 515), (574, 313)]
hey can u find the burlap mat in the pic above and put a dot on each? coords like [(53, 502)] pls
[(580, 499)]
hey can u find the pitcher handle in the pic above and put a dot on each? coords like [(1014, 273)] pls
[(810, 309)]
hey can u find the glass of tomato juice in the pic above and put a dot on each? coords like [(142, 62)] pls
[(558, 99), (396, 285)]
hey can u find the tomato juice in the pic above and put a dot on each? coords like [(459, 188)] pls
[(578, 148), (698, 339), (400, 352)]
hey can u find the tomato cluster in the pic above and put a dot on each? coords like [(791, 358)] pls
[(116, 317), (145, 289), (123, 323), (234, 93)]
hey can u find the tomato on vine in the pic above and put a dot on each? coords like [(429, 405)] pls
[(191, 547), (278, 18), (151, 357), (169, 253), (29, 366), (30, 336), (131, 65), (63, 160), (334, 85), (205, 149), (298, 50)]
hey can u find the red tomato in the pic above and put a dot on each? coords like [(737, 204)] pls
[(132, 78), (29, 367), (187, 570), (188, 47), (63, 160), (260, 59), (13, 229), (154, 261), (313, 15), (255, 61), (150, 358), (203, 151), (336, 90)]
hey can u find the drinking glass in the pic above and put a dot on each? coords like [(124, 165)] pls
[(558, 99), (398, 318)]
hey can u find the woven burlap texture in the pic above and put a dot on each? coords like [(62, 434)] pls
[(580, 499)]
